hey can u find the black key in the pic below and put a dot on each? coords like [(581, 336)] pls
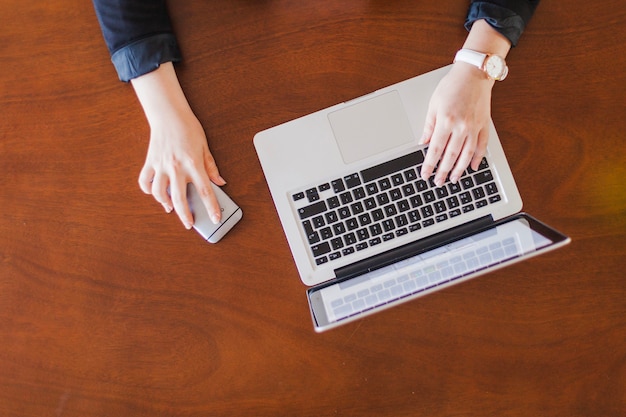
[(324, 187), (352, 224), (298, 196), (344, 212), (308, 227), (312, 210), (312, 194), (441, 192), (441, 217), (336, 243), (416, 201), (429, 196), (382, 199), (350, 239), (428, 222), (358, 193), (388, 236), (347, 251), (333, 202), (322, 260), (414, 215), (427, 211), (378, 215), (334, 255), (410, 174), (338, 185), (313, 238), (439, 207), (362, 234), (452, 202), (370, 203), (352, 180), (357, 208), (339, 229), (397, 179), (389, 225), (375, 241), (478, 193), (455, 212), (491, 188), (346, 197), (326, 233), (402, 232), (454, 187), (318, 221), (331, 217), (365, 219), (403, 205), (371, 188), (466, 182), (384, 184), (391, 210), (376, 229), (408, 190), (401, 220), (421, 185), (465, 197), (361, 246), (395, 194), (483, 177), (494, 198), (321, 249), (395, 165)]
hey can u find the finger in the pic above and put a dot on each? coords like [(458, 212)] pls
[(178, 191), (438, 142), (465, 157), (145, 179), (449, 158), (209, 200), (481, 148), (211, 168), (429, 127), (159, 192)]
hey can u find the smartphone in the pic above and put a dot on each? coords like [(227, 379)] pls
[(231, 214)]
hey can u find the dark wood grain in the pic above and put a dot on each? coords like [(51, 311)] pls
[(108, 307)]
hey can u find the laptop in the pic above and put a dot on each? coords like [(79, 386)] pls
[(365, 231)]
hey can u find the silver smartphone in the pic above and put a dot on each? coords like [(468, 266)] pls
[(231, 214)]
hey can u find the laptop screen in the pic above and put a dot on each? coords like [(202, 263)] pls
[(501, 244)]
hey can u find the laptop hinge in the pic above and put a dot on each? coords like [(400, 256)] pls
[(411, 249)]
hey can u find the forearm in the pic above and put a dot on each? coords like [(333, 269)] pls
[(138, 34)]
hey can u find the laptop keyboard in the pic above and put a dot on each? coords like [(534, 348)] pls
[(366, 208)]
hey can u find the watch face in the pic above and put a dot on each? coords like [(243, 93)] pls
[(496, 67)]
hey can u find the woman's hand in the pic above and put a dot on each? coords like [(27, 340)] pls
[(178, 153), (459, 112), (457, 123)]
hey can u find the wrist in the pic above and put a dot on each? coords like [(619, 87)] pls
[(162, 97)]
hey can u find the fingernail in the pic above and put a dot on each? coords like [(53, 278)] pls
[(215, 218), (188, 225), (167, 208), (454, 178)]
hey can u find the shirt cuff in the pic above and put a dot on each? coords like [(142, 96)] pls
[(505, 21), (145, 55)]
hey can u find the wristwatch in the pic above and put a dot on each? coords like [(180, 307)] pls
[(492, 65)]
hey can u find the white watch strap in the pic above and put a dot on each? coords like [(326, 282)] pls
[(471, 57)]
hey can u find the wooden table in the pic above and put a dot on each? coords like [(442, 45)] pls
[(109, 307)]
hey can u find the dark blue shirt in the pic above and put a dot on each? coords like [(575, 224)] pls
[(139, 33)]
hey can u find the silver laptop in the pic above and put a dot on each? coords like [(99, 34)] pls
[(365, 231)]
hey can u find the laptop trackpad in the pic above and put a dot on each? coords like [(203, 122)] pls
[(371, 127)]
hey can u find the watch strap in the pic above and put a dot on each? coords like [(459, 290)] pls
[(471, 57)]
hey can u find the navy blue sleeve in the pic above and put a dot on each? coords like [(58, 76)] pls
[(508, 17), (138, 34)]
